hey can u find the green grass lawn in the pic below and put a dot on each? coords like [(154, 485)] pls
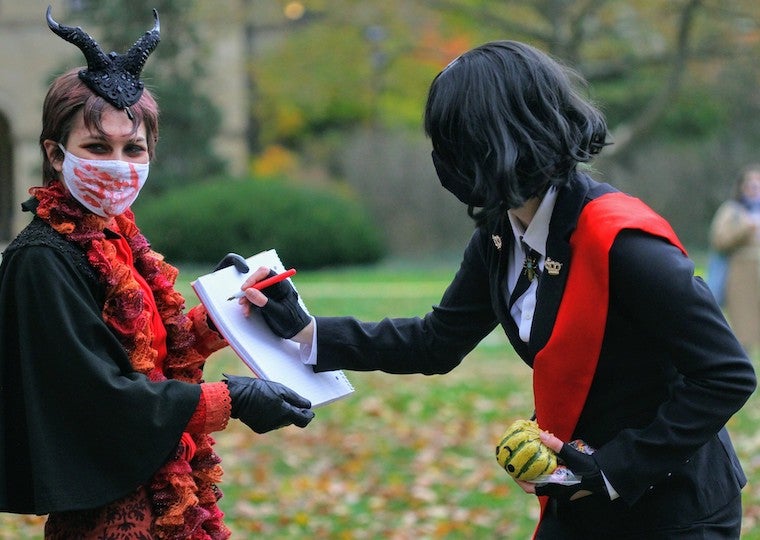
[(405, 457)]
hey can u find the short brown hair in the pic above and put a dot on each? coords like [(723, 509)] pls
[(67, 95)]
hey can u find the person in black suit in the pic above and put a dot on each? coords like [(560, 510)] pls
[(629, 350)]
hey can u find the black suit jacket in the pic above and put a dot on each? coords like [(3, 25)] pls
[(669, 376)]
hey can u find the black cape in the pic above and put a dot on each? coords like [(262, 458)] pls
[(79, 428)]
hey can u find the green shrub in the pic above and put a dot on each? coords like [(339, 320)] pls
[(309, 227)]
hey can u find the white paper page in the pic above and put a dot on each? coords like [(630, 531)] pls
[(268, 356)]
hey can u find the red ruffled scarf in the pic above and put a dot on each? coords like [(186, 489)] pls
[(184, 494)]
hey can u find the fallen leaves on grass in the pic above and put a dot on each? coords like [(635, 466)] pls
[(404, 458)]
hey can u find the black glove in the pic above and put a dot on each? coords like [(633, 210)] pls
[(233, 259), (582, 465), (266, 405), (282, 313)]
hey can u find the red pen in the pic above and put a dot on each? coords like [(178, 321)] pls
[(264, 283)]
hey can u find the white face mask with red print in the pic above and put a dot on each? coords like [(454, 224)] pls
[(105, 187)]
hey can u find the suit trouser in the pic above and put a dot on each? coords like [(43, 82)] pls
[(724, 524)]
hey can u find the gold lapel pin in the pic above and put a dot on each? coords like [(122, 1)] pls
[(496, 241), (552, 267), (530, 266)]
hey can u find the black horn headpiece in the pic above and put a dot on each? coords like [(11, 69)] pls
[(114, 77)]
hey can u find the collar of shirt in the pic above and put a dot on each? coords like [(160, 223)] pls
[(538, 229)]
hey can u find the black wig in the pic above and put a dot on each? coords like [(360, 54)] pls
[(509, 121)]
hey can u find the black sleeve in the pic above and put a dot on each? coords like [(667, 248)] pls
[(654, 284), (433, 344)]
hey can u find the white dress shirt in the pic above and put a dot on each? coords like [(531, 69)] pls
[(534, 236)]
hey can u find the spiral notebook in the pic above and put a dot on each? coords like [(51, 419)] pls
[(267, 355)]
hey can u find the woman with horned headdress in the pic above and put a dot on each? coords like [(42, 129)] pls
[(105, 421)]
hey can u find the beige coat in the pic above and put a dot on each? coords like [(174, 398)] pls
[(734, 232)]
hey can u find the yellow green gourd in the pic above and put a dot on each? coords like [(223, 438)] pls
[(522, 454)]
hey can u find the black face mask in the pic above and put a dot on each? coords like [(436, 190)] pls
[(456, 183)]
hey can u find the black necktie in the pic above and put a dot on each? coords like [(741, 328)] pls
[(528, 273)]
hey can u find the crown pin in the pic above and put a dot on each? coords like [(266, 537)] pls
[(552, 267)]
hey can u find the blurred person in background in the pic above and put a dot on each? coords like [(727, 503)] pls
[(629, 350), (105, 419), (735, 235)]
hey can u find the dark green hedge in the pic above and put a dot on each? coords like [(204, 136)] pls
[(309, 227)]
